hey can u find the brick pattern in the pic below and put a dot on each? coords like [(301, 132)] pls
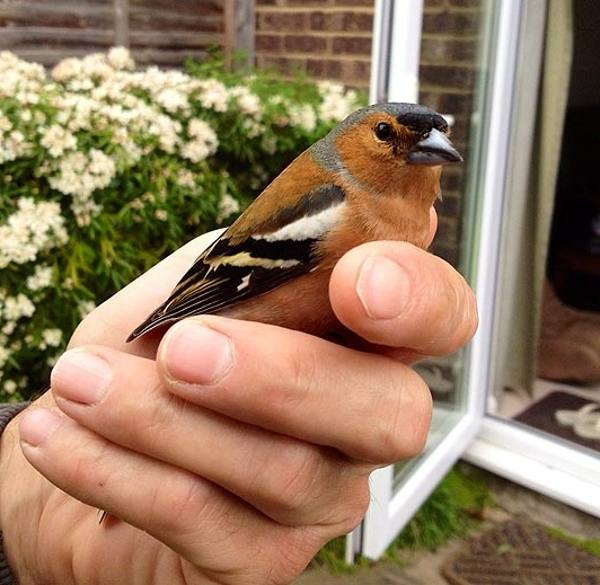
[(447, 76), (47, 32), (329, 39)]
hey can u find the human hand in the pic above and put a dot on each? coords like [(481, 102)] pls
[(241, 480)]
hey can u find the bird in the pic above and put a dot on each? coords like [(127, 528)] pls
[(373, 177)]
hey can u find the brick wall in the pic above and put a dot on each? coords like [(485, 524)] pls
[(46, 31), (447, 77), (329, 39)]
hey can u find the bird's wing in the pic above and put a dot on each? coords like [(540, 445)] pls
[(244, 263)]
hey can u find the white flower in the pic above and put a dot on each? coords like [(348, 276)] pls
[(204, 141), (253, 128), (10, 386), (330, 87), (161, 214), (335, 107), (85, 308), (17, 307), (84, 210), (80, 175), (9, 327), (201, 129), (247, 102), (67, 69), (56, 140), (101, 165), (52, 337), (120, 58), (195, 151), (269, 143), (4, 355), (41, 278), (214, 95), (20, 79), (13, 146), (5, 123), (304, 117), (167, 130), (185, 178), (227, 206), (172, 100), (33, 228)]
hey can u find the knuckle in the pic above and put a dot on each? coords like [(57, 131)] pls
[(355, 503), (156, 426), (404, 421), (301, 377), (292, 554), (171, 508), (285, 483), (470, 315), (299, 481), (461, 310), (420, 417)]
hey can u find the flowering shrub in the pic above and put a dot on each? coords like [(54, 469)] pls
[(106, 169)]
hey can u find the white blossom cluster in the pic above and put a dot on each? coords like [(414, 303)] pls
[(228, 205), (90, 121), (203, 141), (34, 227), (20, 79), (41, 278), (337, 102)]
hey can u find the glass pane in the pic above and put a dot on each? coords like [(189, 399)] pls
[(553, 384), (454, 72)]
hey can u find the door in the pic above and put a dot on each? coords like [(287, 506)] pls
[(552, 458), (463, 64)]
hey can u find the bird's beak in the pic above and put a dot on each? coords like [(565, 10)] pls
[(436, 149)]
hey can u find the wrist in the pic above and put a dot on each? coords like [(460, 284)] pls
[(17, 514)]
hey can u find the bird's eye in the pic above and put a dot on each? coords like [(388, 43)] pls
[(383, 131)]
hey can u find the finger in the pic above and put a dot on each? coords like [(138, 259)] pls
[(397, 295), (119, 396), (370, 407), (111, 323), (195, 518)]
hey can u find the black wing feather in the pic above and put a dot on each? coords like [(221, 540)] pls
[(210, 286)]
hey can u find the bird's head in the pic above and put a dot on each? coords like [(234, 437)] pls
[(390, 140)]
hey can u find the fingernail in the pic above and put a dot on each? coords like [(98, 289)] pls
[(383, 287), (197, 354), (81, 376), (37, 425)]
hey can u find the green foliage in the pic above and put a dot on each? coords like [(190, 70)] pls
[(590, 545), (451, 511), (105, 170)]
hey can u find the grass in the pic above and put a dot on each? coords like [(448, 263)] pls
[(453, 508), (590, 545)]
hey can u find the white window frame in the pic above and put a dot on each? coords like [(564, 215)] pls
[(390, 511)]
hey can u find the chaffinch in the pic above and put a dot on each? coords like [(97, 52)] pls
[(374, 177)]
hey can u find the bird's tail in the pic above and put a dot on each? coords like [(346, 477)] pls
[(156, 319)]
